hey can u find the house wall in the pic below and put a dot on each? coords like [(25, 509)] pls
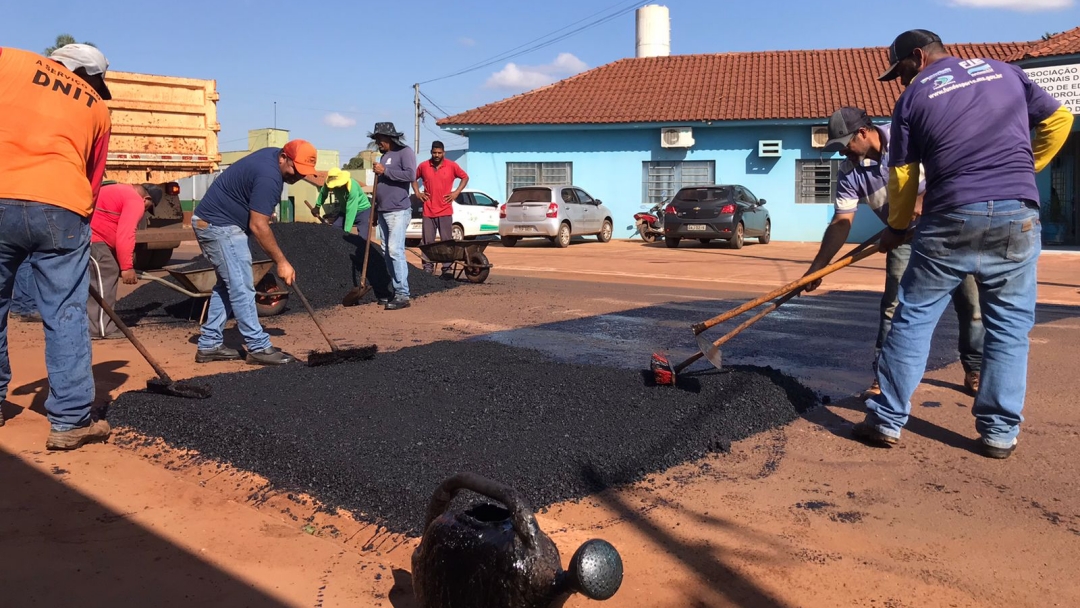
[(608, 164)]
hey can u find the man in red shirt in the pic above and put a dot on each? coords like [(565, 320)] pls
[(438, 175), (120, 208)]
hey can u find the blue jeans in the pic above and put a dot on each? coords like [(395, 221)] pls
[(392, 226), (226, 247), (965, 301), (24, 296), (57, 242), (999, 242)]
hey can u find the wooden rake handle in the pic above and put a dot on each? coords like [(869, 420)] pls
[(124, 329), (311, 312), (859, 253)]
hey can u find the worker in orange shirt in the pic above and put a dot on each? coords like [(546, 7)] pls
[(54, 138), (120, 208)]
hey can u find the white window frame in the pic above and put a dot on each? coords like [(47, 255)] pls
[(810, 180), (660, 180), (521, 175)]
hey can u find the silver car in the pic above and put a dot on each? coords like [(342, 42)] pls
[(553, 212)]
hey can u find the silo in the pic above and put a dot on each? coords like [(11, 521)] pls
[(653, 31)]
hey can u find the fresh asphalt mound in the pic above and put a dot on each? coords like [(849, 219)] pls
[(376, 437), (327, 263)]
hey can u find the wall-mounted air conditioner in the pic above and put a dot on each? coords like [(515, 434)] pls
[(676, 137), (819, 136), (769, 148)]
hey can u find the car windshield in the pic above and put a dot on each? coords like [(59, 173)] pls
[(530, 195), (701, 195)]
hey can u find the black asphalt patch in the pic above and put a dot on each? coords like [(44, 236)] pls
[(377, 437), (327, 263)]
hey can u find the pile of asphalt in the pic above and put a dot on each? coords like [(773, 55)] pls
[(327, 263), (377, 437)]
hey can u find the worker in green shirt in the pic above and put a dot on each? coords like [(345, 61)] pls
[(350, 206)]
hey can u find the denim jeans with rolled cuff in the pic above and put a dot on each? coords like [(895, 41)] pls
[(392, 227)]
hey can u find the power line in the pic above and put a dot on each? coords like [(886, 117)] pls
[(510, 54), (445, 113)]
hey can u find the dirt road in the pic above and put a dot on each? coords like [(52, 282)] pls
[(800, 516)]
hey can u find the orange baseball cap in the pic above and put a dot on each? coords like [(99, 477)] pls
[(303, 155)]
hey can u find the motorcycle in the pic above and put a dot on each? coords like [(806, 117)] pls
[(650, 224)]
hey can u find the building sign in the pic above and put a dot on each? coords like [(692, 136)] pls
[(1061, 81)]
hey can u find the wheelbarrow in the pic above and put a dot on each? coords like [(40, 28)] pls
[(467, 257), (198, 283)]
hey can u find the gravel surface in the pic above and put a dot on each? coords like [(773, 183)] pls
[(377, 437), (327, 264)]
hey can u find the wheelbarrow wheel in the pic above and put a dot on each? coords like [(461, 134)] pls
[(269, 306), (478, 269)]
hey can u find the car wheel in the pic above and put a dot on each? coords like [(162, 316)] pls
[(704, 241), (767, 235), (671, 242), (508, 241), (457, 233), (562, 240), (736, 241), (605, 232)]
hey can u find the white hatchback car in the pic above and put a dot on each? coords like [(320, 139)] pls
[(476, 214)]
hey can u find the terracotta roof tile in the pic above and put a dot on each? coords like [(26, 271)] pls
[(728, 86), (1065, 43)]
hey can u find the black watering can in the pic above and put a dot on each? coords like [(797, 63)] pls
[(489, 556)]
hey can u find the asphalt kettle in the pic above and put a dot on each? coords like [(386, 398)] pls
[(492, 556)]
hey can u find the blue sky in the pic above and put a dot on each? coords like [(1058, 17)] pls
[(336, 67)]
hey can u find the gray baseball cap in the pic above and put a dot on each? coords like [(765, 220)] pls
[(843, 125)]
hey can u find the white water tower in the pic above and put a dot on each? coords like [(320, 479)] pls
[(653, 31)]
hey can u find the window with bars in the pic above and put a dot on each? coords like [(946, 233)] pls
[(662, 179), (815, 181), (519, 175)]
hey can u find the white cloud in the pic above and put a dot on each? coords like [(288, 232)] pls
[(1016, 5), (466, 42), (524, 77), (338, 121)]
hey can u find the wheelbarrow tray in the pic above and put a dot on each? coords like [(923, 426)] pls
[(452, 251), (202, 280)]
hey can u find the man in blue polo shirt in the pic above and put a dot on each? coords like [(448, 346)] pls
[(238, 203), (968, 122), (864, 178)]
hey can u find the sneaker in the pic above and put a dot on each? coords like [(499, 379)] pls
[(218, 353), (269, 356), (873, 391), (74, 439), (995, 452), (384, 301), (868, 433), (971, 383), (397, 304)]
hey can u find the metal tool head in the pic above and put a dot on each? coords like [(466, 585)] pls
[(663, 372), (186, 390), (355, 295), (710, 351)]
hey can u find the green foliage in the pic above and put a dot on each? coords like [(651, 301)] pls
[(63, 40)]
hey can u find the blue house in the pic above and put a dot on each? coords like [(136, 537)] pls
[(633, 132)]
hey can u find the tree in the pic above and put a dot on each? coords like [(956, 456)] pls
[(63, 40)]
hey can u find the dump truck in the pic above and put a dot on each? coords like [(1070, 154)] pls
[(164, 128)]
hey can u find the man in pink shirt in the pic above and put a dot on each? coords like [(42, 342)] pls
[(120, 208)]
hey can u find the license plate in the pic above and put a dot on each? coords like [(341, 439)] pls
[(697, 227), (525, 229)]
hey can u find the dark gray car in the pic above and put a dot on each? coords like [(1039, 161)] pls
[(721, 212)]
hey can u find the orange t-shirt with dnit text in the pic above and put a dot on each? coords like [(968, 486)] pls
[(54, 133)]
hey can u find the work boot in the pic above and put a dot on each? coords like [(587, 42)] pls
[(269, 356), (76, 438), (995, 452), (397, 304), (873, 391), (218, 353), (868, 433), (971, 383)]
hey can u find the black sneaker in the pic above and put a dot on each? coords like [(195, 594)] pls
[(219, 353), (397, 304), (269, 356), (384, 301), (995, 452), (867, 433)]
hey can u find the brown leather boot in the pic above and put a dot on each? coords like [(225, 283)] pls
[(76, 438)]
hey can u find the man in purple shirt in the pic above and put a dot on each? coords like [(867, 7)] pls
[(394, 175), (968, 122)]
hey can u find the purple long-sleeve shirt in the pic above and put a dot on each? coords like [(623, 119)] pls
[(395, 182)]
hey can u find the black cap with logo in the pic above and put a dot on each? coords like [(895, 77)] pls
[(843, 125), (903, 47)]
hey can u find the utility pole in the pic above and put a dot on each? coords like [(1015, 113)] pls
[(419, 116), (275, 116)]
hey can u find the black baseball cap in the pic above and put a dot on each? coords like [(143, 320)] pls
[(902, 48), (843, 125)]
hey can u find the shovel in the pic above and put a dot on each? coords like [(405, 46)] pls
[(162, 385), (336, 354), (353, 297), (322, 220)]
